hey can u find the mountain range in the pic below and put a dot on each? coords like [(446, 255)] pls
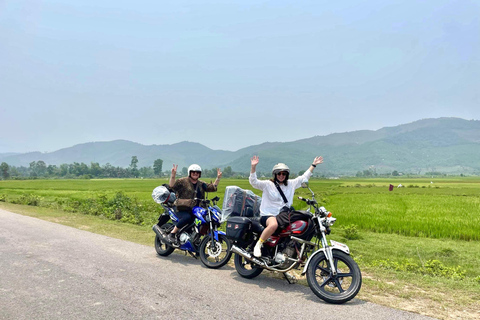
[(447, 145)]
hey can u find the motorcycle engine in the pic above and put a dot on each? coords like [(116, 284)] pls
[(285, 252), (184, 238)]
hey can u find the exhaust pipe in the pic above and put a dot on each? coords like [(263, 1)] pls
[(156, 229), (242, 252)]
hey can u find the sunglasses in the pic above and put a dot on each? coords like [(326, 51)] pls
[(282, 174), (198, 172)]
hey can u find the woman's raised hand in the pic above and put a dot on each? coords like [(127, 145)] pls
[(317, 160), (254, 161)]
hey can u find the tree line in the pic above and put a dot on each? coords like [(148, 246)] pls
[(39, 169)]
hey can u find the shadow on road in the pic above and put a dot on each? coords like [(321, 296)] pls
[(269, 280), (185, 259)]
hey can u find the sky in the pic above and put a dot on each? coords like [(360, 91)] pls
[(230, 74)]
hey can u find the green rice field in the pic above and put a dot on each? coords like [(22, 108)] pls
[(439, 208)]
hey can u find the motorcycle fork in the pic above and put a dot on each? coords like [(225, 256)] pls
[(212, 231), (328, 254)]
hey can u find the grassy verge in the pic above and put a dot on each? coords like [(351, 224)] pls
[(437, 296)]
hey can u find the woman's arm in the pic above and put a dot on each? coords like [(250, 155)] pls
[(316, 161), (254, 182)]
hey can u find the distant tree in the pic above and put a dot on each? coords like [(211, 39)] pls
[(157, 167), (395, 173), (185, 171), (33, 169), (63, 169), (15, 172), (108, 170), (79, 169), (4, 169), (52, 170), (95, 169), (359, 174), (209, 173), (301, 172), (41, 168), (227, 172), (134, 162), (146, 172), (367, 173), (133, 166)]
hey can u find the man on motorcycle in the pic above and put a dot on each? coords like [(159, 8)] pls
[(276, 205), (188, 188)]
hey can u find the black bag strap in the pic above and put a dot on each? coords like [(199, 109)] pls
[(281, 193), (195, 192)]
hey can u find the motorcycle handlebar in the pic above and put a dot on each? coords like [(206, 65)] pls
[(308, 201), (207, 201)]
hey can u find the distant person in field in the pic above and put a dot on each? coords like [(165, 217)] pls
[(188, 188), (273, 208)]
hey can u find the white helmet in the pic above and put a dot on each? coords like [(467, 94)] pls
[(279, 167), (162, 195), (194, 167)]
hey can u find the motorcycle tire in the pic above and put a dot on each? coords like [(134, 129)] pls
[(161, 246), (245, 268), (338, 288), (215, 256)]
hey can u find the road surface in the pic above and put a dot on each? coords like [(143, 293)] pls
[(51, 271)]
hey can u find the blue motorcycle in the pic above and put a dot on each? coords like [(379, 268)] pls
[(200, 238)]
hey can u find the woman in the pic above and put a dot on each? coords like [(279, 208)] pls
[(272, 199)]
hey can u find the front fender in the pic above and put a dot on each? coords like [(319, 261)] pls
[(335, 246), (216, 233)]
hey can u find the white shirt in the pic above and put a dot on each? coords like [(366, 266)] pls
[(272, 201)]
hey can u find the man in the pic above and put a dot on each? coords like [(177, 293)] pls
[(189, 188)]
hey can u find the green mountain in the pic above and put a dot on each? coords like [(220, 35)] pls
[(449, 145)]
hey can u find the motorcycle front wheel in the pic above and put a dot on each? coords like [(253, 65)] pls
[(161, 246), (338, 288), (245, 268), (215, 254)]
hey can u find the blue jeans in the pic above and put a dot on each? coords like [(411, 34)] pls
[(184, 218)]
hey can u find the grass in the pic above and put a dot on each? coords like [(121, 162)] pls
[(401, 234)]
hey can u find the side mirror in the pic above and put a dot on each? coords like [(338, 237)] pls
[(305, 184)]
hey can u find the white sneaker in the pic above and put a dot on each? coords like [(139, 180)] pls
[(257, 251)]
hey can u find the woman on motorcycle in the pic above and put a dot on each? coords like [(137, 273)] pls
[(190, 187), (272, 201)]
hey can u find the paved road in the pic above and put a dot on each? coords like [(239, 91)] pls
[(50, 271)]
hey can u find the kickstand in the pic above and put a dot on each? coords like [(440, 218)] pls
[(290, 278), (191, 253)]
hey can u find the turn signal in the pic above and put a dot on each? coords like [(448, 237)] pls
[(329, 214)]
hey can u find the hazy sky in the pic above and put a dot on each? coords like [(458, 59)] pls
[(229, 74)]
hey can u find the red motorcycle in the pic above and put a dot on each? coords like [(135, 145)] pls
[(331, 272)]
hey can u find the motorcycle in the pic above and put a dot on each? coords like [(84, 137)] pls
[(331, 272), (199, 238)]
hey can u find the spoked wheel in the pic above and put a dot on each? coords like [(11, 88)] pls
[(215, 254), (245, 268), (161, 246), (338, 288)]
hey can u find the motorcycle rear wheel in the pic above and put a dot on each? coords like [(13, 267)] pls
[(161, 246), (338, 288), (217, 254), (245, 268)]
